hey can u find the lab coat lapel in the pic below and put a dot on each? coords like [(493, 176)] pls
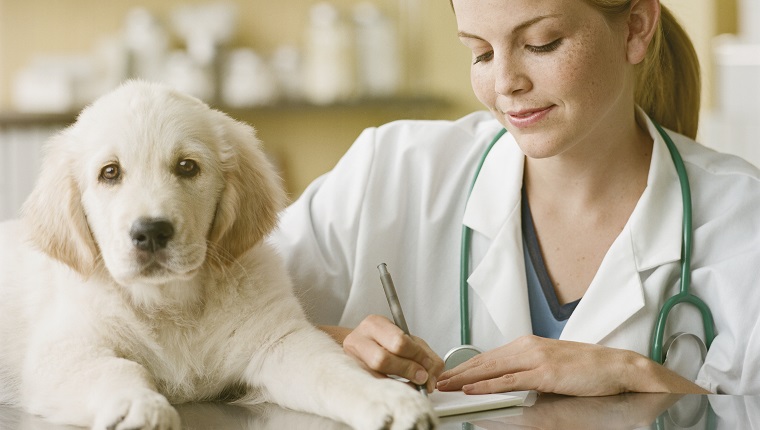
[(493, 210), (615, 294), (652, 237)]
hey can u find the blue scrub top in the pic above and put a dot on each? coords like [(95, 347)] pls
[(547, 316)]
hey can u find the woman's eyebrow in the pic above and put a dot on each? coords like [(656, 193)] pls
[(517, 29)]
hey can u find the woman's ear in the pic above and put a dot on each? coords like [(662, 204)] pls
[(54, 211), (643, 22), (253, 195)]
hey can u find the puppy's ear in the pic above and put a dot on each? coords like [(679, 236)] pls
[(253, 194), (54, 211)]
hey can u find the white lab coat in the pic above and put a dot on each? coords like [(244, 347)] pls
[(398, 196)]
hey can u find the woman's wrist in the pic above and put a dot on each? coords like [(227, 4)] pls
[(642, 375)]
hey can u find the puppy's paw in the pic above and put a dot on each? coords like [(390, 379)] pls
[(137, 410), (394, 405)]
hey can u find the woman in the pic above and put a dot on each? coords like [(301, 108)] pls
[(576, 216)]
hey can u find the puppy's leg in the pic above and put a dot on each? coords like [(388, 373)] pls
[(90, 386), (306, 370)]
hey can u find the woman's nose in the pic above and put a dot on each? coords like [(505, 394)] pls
[(511, 77)]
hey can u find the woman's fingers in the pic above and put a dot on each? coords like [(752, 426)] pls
[(384, 348), (486, 367), (508, 359), (431, 362), (507, 382)]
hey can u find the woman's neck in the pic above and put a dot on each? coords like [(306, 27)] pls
[(581, 200), (609, 165)]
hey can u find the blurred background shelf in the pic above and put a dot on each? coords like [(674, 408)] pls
[(411, 104), (302, 139)]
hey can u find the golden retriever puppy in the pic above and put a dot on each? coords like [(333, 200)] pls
[(138, 277)]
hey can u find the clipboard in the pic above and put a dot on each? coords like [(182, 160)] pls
[(447, 403)]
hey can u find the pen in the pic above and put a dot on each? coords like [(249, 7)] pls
[(395, 305)]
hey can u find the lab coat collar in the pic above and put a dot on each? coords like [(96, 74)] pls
[(493, 210), (656, 222), (651, 237), (496, 193)]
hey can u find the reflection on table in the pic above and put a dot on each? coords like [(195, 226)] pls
[(626, 411)]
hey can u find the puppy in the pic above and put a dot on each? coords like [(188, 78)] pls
[(139, 277)]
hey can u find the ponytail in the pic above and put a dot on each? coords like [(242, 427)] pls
[(668, 80)]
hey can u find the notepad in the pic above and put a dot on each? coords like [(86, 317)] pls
[(447, 403)]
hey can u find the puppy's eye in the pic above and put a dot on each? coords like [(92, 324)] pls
[(110, 173), (187, 168)]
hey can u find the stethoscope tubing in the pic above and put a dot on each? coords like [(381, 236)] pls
[(464, 261), (684, 295)]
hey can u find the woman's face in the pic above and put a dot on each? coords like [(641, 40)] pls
[(554, 72)]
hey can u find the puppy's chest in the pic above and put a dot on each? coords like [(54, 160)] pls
[(186, 361)]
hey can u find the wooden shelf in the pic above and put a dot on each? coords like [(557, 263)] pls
[(405, 103)]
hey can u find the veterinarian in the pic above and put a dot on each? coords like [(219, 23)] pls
[(586, 216)]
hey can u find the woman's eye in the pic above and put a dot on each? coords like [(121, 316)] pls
[(549, 47), (110, 173), (187, 168), (483, 57)]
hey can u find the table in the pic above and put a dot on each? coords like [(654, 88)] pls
[(626, 411)]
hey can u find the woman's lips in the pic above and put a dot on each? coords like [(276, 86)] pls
[(527, 117)]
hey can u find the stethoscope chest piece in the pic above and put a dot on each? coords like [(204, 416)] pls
[(686, 359), (459, 355)]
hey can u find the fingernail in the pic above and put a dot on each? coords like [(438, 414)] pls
[(420, 377), (442, 384)]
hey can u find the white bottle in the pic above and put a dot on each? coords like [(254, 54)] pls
[(377, 52), (749, 20), (328, 57)]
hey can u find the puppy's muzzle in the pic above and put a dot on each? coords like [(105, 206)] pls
[(151, 234)]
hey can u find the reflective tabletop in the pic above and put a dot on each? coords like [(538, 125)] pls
[(626, 411)]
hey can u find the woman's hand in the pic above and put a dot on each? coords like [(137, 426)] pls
[(562, 367), (383, 348)]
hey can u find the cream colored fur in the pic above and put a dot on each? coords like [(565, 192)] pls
[(96, 332)]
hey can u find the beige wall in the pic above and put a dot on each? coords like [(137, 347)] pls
[(306, 141)]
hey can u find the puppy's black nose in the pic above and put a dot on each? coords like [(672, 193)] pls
[(150, 234)]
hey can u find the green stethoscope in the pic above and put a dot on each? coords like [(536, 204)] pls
[(659, 347)]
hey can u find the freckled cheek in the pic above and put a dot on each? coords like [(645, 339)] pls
[(483, 87), (589, 72), (573, 81), (566, 80)]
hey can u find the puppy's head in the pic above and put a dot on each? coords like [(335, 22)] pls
[(152, 182)]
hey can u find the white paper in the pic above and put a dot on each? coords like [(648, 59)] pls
[(447, 403)]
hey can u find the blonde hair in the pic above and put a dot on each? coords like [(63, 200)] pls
[(668, 83)]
